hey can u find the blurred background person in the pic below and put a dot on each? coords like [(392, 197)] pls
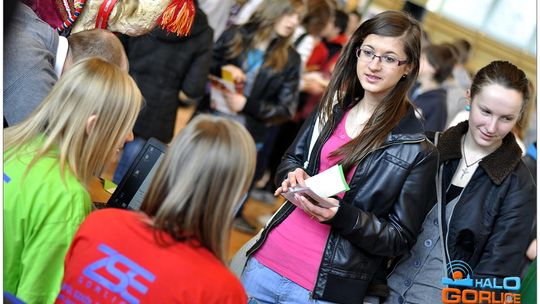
[(460, 72), (456, 96), (315, 79), (171, 70), (355, 19), (266, 70), (319, 13), (429, 96)]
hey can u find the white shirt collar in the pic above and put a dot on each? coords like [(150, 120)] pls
[(61, 55)]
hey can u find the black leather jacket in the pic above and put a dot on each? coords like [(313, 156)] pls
[(390, 193), (274, 97), (490, 225)]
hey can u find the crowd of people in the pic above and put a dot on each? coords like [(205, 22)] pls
[(433, 156)]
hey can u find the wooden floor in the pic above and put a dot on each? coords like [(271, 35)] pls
[(252, 211)]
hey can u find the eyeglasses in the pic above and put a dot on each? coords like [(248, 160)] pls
[(367, 55)]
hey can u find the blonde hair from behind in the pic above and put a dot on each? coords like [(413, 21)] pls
[(92, 87), (201, 180)]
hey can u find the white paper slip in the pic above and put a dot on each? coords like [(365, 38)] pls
[(305, 191), (329, 182)]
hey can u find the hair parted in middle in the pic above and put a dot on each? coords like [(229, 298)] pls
[(91, 88), (203, 176), (345, 88), (261, 25)]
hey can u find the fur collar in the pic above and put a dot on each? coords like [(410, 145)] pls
[(498, 165)]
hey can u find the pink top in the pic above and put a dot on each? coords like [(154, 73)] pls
[(294, 249)]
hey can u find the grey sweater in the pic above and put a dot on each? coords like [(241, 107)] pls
[(29, 57)]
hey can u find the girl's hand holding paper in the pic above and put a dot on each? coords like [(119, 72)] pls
[(316, 211), (313, 194)]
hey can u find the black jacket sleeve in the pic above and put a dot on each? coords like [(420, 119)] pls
[(509, 239), (395, 233), (194, 84), (219, 51)]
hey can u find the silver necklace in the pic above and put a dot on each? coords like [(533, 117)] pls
[(467, 166)]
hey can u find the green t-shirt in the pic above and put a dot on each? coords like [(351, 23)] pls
[(528, 286), (42, 212)]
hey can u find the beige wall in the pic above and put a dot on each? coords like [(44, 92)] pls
[(484, 48)]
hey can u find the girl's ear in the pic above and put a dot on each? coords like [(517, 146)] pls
[(408, 69), (90, 123)]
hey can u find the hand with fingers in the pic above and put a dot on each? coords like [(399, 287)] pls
[(311, 208), (235, 101), (237, 74), (294, 178)]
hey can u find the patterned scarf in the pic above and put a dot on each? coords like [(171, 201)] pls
[(61, 14)]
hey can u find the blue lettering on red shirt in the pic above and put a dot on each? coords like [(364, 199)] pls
[(128, 274)]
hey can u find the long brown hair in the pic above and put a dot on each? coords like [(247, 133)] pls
[(345, 88), (261, 28), (208, 167)]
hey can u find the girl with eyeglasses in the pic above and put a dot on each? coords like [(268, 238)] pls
[(486, 200), (367, 124)]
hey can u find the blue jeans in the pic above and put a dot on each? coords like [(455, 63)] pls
[(264, 286), (131, 149)]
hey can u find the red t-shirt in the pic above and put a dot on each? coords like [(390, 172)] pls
[(114, 258)]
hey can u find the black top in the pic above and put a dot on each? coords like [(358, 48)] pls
[(163, 64), (453, 192)]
